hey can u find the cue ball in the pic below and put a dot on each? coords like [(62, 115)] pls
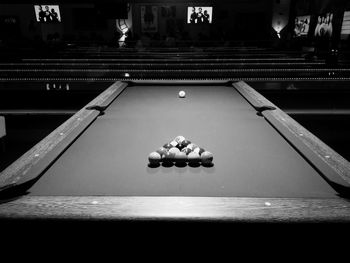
[(207, 157), (154, 158), (193, 157), (182, 94)]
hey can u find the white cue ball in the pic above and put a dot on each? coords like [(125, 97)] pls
[(182, 94)]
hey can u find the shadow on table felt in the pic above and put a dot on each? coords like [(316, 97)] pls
[(180, 169), (180, 165)]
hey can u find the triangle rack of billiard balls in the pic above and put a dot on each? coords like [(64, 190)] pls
[(181, 152)]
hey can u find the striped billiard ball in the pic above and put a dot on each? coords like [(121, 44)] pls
[(198, 150), (186, 150), (185, 143), (191, 146), (179, 139), (174, 143)]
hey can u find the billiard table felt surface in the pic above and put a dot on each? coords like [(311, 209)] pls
[(251, 159)]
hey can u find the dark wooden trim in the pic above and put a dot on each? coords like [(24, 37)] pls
[(179, 82), (30, 165), (37, 112), (334, 168), (230, 209), (275, 60), (318, 112)]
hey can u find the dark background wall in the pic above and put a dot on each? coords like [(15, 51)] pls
[(76, 20), (239, 19), (248, 19), (235, 19)]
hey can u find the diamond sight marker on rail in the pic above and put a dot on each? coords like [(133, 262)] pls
[(180, 152)]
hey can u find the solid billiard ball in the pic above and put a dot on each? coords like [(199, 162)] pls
[(174, 150), (167, 146), (161, 150), (193, 158), (180, 157), (154, 158), (182, 94), (179, 139), (185, 143), (180, 146), (207, 157), (168, 157), (186, 150)]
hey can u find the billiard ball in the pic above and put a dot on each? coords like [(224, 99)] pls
[(191, 146), (182, 94), (180, 157), (174, 143), (201, 150), (167, 146), (179, 139), (161, 150), (193, 158), (198, 150), (207, 158), (154, 158), (185, 143), (180, 146), (174, 150), (168, 157), (186, 150)]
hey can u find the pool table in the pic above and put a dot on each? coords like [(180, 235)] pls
[(266, 166)]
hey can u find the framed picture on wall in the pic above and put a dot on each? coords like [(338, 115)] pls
[(199, 15), (47, 13), (302, 25), (345, 29), (324, 26), (149, 19)]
